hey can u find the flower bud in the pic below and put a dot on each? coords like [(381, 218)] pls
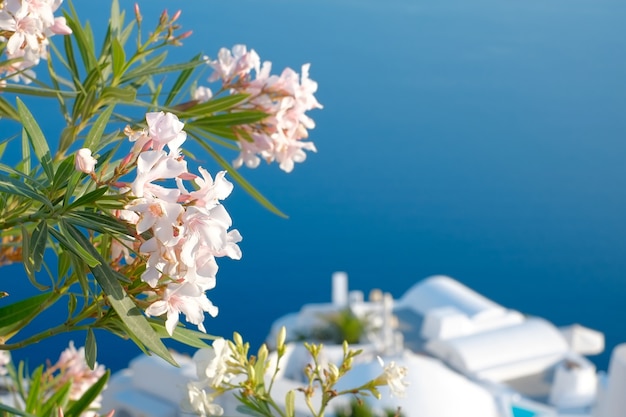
[(280, 339), (84, 162)]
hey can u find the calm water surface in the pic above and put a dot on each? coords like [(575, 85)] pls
[(485, 141)]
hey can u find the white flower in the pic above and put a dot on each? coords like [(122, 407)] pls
[(84, 162), (201, 401), (392, 376), (211, 364)]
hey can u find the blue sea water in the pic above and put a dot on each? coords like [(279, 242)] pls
[(484, 140)]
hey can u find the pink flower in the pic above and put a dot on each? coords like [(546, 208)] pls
[(84, 162)]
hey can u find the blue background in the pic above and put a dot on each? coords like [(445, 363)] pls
[(484, 140)]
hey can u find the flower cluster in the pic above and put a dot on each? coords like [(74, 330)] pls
[(5, 359), (285, 98), (228, 367), (179, 232), (25, 26)]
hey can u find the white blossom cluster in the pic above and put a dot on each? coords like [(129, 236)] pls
[(285, 98), (25, 26), (181, 232)]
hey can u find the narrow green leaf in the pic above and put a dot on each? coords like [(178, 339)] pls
[(16, 312), (91, 349), (92, 141), (126, 309), (3, 147), (25, 152), (232, 119), (72, 302), (25, 90), (39, 239), (37, 139), (187, 336), (71, 245), (181, 80), (117, 94), (14, 411), (216, 105), (119, 57), (240, 179), (82, 39), (89, 198), (99, 222), (12, 186), (82, 405), (7, 110), (71, 61), (33, 401), (225, 132), (63, 172), (149, 69), (59, 399)]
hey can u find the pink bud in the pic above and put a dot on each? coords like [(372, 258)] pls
[(84, 162)]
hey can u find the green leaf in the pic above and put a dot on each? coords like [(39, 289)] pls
[(29, 267), (63, 172), (91, 349), (119, 57), (82, 405), (33, 401), (126, 309), (116, 94), (239, 179), (14, 411), (59, 399), (99, 222), (12, 186), (71, 245), (71, 305), (95, 133), (82, 39), (37, 139), (149, 68), (7, 110), (89, 198), (39, 239), (181, 80), (232, 119), (24, 90), (187, 336), (20, 310), (25, 153), (216, 105)]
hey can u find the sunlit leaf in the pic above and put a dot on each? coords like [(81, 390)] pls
[(37, 139), (119, 57), (215, 105), (95, 133), (232, 119), (91, 349), (88, 198), (125, 94), (187, 336), (20, 310)]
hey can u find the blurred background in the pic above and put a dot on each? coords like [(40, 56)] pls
[(483, 140)]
